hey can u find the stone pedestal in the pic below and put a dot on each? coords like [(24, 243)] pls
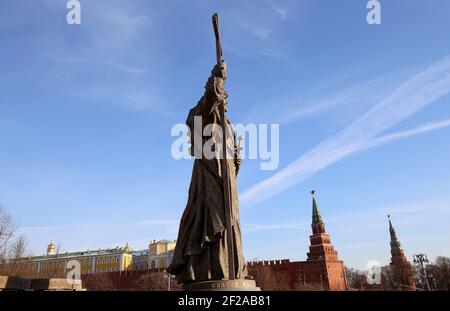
[(52, 284), (223, 285), (3, 282), (55, 284), (13, 283)]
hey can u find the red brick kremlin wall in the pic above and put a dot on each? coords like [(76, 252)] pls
[(329, 275)]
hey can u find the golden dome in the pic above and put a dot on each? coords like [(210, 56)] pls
[(51, 248), (127, 248)]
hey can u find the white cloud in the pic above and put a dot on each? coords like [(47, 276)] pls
[(129, 69), (404, 134), (265, 227), (129, 97), (324, 99), (261, 32), (38, 229), (272, 53), (280, 11), (413, 95), (419, 208), (309, 104)]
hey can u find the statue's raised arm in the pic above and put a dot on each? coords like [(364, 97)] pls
[(215, 93)]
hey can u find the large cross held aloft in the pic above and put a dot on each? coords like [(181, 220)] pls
[(228, 204)]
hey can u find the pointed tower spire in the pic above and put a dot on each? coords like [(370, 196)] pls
[(322, 257), (400, 266), (317, 224), (395, 243), (391, 229), (316, 217)]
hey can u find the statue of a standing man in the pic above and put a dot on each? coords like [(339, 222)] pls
[(202, 250)]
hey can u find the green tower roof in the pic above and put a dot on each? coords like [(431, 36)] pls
[(395, 243), (316, 217)]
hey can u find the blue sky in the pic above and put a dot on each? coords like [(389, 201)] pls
[(86, 113)]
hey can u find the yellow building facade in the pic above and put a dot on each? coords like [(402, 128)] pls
[(58, 265), (160, 254)]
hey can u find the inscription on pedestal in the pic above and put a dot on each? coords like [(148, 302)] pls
[(225, 285)]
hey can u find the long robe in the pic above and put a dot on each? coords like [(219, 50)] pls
[(201, 251)]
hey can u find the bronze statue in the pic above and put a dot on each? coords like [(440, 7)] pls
[(211, 218)]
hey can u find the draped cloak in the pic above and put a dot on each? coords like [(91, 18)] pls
[(201, 251)]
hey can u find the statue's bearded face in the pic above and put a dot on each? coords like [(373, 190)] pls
[(220, 70), (223, 70)]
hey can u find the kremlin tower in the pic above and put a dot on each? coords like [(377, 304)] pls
[(321, 270), (322, 259), (321, 248), (400, 266)]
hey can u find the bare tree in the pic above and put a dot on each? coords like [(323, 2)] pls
[(417, 275), (355, 278), (7, 229), (12, 247), (387, 278), (55, 271), (98, 282), (152, 282), (17, 252), (439, 273)]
